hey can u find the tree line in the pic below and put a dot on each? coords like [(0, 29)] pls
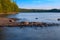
[(7, 6), (39, 10)]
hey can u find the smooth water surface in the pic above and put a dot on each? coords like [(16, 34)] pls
[(42, 17), (33, 33)]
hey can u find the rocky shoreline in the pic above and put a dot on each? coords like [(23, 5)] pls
[(11, 22), (31, 24)]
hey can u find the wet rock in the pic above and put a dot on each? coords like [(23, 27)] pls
[(14, 19), (25, 23), (36, 18), (58, 19)]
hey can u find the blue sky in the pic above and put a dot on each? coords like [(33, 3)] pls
[(38, 4)]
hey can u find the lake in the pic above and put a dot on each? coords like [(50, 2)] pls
[(33, 33)]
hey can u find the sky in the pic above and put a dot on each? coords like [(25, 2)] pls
[(38, 4)]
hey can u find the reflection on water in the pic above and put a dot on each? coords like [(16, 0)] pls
[(2, 35), (32, 33)]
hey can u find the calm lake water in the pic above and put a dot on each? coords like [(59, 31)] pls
[(33, 33)]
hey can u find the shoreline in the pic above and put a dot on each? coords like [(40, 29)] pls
[(6, 14), (29, 24), (11, 22)]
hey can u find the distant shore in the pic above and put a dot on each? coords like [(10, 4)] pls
[(40, 10)]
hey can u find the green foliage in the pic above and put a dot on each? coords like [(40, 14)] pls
[(8, 6)]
